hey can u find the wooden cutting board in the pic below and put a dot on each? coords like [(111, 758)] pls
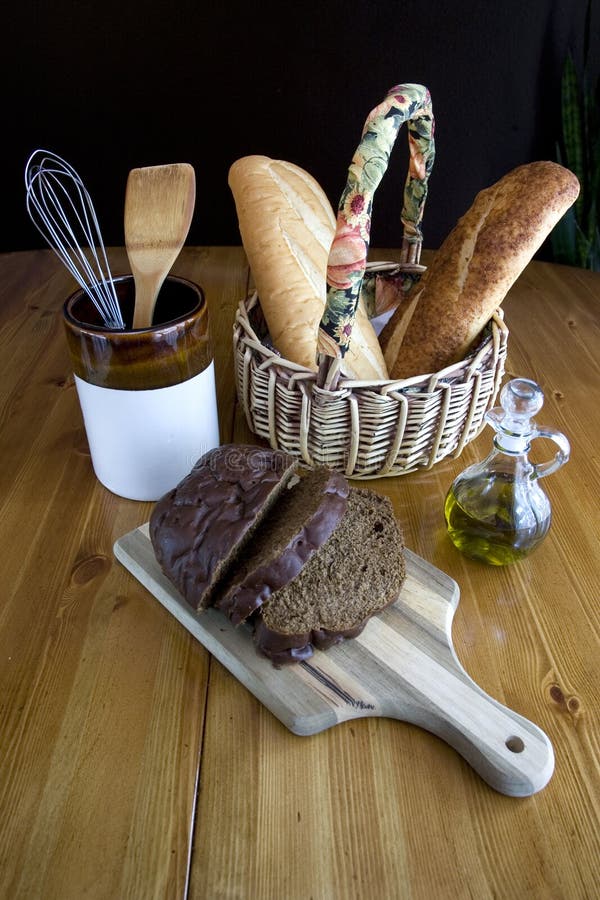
[(402, 666)]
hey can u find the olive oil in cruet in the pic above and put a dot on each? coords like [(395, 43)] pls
[(495, 510)]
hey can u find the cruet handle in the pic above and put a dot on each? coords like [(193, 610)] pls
[(564, 450)]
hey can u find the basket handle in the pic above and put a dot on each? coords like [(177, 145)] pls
[(410, 103)]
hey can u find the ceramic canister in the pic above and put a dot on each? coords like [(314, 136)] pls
[(147, 395)]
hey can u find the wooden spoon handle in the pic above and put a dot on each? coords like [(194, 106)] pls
[(147, 288)]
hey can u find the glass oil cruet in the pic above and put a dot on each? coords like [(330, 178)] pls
[(496, 510)]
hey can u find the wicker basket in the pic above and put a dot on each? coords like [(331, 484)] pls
[(380, 428), (366, 430)]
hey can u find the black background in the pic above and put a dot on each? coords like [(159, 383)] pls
[(114, 85)]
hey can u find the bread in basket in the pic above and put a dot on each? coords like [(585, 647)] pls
[(318, 386)]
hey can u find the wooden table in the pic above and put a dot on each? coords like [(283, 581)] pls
[(134, 765)]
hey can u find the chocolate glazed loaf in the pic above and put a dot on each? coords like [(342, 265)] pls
[(357, 572), (198, 529), (297, 553), (299, 524)]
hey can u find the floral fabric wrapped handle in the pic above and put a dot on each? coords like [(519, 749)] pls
[(410, 103)]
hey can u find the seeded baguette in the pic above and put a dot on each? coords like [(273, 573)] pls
[(287, 227), (475, 267)]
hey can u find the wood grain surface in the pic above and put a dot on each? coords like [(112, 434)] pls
[(133, 764)]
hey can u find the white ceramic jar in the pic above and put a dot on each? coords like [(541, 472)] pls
[(147, 396)]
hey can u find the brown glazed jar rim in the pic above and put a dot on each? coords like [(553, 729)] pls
[(168, 353), (103, 330)]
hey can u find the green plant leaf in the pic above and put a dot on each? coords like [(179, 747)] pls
[(576, 238), (563, 239), (573, 128), (593, 261), (592, 121)]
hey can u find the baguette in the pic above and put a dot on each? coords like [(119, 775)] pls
[(287, 227), (474, 268)]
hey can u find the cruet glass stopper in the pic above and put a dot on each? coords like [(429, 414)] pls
[(520, 400)]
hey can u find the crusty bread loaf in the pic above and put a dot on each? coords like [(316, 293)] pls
[(287, 227), (474, 268)]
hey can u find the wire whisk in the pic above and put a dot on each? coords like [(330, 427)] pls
[(62, 210)]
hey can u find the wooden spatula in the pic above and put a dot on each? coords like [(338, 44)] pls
[(159, 205)]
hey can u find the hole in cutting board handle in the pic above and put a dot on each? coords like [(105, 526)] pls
[(515, 744)]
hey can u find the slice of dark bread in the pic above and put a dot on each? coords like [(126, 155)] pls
[(298, 525), (357, 572), (199, 528)]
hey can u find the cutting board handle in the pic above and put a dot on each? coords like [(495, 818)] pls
[(509, 752), (432, 690)]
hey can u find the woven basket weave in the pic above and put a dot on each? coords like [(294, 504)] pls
[(364, 429), (368, 429)]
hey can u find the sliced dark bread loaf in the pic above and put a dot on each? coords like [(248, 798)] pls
[(199, 528), (298, 525), (357, 572)]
